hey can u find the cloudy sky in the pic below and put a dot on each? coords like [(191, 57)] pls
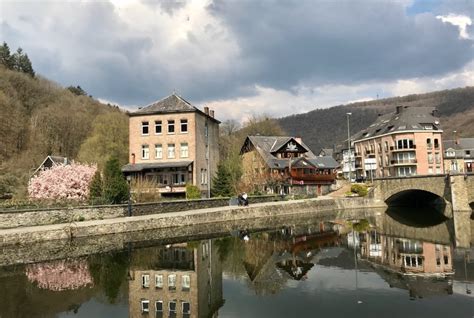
[(246, 57)]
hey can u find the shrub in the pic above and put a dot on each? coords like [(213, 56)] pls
[(95, 188), (192, 192), (62, 182), (115, 186), (144, 190), (360, 189)]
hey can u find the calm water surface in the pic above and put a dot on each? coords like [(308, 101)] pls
[(358, 267)]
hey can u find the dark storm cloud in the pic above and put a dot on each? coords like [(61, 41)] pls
[(280, 44), (340, 42)]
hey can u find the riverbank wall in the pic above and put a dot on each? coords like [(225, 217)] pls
[(36, 217), (175, 220)]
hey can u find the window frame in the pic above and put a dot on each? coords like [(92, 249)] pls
[(145, 152), (183, 123), (184, 146), (169, 148), (145, 124), (158, 123), (171, 123)]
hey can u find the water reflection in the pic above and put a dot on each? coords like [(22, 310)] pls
[(373, 264), (182, 280)]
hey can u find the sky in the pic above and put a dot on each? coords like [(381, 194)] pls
[(246, 57)]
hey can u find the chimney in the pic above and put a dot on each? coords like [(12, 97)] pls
[(434, 113), (456, 137), (399, 109), (211, 113), (206, 110), (133, 158), (298, 139)]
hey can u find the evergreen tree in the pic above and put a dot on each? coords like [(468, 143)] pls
[(115, 188), (5, 56), (22, 63), (95, 188), (222, 183), (77, 90)]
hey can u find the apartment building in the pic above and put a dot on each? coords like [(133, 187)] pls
[(173, 143), (402, 143)]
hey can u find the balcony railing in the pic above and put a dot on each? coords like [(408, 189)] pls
[(298, 176), (397, 162), (409, 148)]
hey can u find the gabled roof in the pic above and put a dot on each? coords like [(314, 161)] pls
[(459, 147), (54, 160), (326, 151), (267, 146), (170, 104), (406, 118)]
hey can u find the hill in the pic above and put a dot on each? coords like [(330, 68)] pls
[(38, 118), (322, 128)]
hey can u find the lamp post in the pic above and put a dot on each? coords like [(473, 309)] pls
[(129, 180), (349, 146)]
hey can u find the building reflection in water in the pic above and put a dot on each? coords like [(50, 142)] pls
[(179, 280), (423, 268)]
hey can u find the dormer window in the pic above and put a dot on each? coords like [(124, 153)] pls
[(145, 128), (427, 126)]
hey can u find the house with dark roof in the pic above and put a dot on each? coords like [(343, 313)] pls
[(402, 143), (459, 155), (51, 161), (173, 143), (283, 164)]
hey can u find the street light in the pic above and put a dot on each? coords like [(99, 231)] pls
[(349, 146), (129, 180)]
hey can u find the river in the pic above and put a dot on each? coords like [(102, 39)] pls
[(371, 264)]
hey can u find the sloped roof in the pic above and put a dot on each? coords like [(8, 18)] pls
[(460, 147), (55, 160), (404, 119), (170, 104), (327, 151)]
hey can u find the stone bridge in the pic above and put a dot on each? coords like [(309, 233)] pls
[(455, 190)]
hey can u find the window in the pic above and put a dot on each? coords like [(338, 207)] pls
[(172, 281), (186, 308), (158, 127), (428, 143), (158, 151), (172, 306), (437, 158), (430, 158), (405, 144), (145, 128), (386, 146), (203, 176), (186, 282), (159, 306), (468, 153), (145, 280), (170, 150), (170, 126), (159, 281), (145, 152), (184, 125), (184, 150), (145, 304), (446, 260), (436, 143)]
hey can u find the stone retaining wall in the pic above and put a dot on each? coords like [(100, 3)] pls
[(35, 217), (180, 219)]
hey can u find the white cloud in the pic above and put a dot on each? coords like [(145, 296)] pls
[(461, 21)]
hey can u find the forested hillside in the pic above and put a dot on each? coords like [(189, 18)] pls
[(39, 118), (322, 128)]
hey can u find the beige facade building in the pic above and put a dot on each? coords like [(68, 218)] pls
[(176, 281), (173, 143), (459, 155), (403, 143)]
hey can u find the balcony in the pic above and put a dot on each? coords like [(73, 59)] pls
[(409, 148), (297, 177), (405, 162)]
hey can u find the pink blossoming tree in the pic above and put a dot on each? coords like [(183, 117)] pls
[(62, 182)]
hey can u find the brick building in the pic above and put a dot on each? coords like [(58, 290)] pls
[(402, 143), (173, 143)]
